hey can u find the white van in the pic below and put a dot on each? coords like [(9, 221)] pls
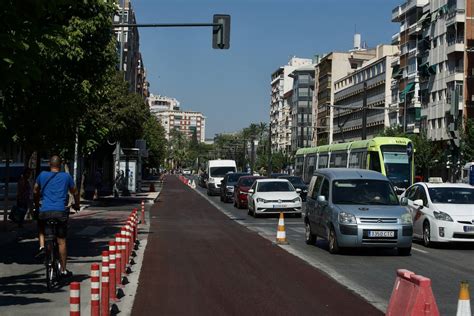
[(216, 170)]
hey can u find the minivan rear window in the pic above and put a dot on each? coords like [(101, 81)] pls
[(363, 192)]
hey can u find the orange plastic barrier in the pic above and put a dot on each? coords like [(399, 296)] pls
[(412, 295)]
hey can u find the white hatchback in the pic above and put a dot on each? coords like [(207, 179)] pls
[(442, 212), (272, 196)]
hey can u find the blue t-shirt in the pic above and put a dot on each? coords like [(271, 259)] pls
[(55, 194)]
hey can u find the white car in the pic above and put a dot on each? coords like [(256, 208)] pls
[(272, 196), (442, 212)]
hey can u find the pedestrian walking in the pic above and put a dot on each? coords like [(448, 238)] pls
[(97, 183), (23, 198)]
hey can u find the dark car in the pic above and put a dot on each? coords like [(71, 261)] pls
[(228, 183), (298, 183), (277, 175), (241, 190)]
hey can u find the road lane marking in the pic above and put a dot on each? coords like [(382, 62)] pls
[(422, 251)]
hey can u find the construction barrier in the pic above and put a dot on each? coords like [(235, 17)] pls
[(464, 301), (281, 233), (95, 289), (112, 273), (412, 296), (104, 298), (75, 299)]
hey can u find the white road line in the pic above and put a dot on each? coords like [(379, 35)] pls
[(422, 251)]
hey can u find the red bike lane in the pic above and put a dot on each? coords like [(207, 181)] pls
[(199, 262)]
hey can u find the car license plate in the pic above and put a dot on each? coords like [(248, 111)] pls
[(469, 229), (280, 206), (381, 233)]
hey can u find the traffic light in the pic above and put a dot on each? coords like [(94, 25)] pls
[(221, 33)]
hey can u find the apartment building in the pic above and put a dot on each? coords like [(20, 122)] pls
[(280, 109), (128, 48), (372, 81), (159, 103), (330, 69), (435, 66), (302, 106), (187, 122)]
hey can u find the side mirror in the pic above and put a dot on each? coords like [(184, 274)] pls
[(298, 190), (418, 202), (403, 201), (251, 191), (322, 199)]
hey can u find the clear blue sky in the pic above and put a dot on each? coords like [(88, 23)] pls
[(232, 87)]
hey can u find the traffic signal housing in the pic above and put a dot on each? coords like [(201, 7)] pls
[(221, 32)]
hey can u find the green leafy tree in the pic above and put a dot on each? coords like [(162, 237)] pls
[(154, 134), (57, 57), (466, 144)]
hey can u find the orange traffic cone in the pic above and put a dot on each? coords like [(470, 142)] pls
[(281, 234), (464, 303)]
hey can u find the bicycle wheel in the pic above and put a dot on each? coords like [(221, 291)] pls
[(56, 263), (49, 261)]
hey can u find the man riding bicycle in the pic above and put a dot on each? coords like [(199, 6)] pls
[(52, 188)]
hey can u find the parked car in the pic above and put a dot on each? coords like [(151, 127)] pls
[(241, 190), (441, 212), (298, 183), (187, 171), (277, 175), (228, 183), (272, 196), (356, 208)]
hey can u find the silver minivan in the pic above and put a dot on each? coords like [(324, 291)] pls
[(356, 208)]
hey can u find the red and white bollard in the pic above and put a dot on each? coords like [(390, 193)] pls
[(112, 273), (95, 289), (123, 251), (104, 298), (143, 212), (125, 247), (118, 260), (75, 299)]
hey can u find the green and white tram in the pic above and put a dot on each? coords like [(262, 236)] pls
[(392, 156)]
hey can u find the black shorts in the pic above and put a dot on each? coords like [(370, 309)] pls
[(60, 216)]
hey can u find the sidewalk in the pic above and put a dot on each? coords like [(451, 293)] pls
[(22, 286)]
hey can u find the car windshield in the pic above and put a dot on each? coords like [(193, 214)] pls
[(221, 171), (363, 192), (451, 195), (233, 178), (277, 186), (295, 180), (247, 182)]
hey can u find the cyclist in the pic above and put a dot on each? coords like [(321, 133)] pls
[(52, 188)]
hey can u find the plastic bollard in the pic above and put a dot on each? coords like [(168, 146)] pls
[(104, 298), (123, 251), (112, 273), (95, 289), (75, 299), (143, 212), (118, 260)]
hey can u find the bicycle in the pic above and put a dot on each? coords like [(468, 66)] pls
[(51, 260)]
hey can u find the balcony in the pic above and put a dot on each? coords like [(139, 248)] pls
[(455, 74), (455, 45), (455, 15), (398, 13), (395, 38)]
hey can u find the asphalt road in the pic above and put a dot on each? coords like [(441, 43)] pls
[(370, 272), (198, 261)]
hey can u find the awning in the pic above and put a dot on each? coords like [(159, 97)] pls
[(424, 17), (407, 89)]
